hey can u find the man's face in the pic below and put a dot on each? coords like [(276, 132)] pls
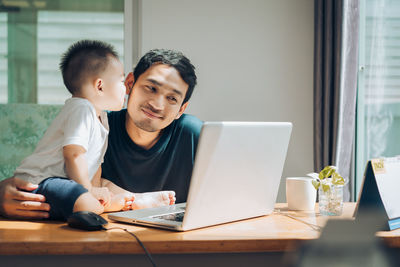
[(156, 98)]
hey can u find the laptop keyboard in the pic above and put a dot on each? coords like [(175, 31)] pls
[(178, 217)]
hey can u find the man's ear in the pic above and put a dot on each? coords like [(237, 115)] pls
[(181, 110), (129, 81)]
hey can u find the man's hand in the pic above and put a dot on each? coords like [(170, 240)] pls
[(16, 203), (102, 194)]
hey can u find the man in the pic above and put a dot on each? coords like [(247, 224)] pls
[(151, 145)]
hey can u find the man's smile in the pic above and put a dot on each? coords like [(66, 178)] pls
[(149, 113)]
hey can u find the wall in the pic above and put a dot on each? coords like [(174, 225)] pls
[(254, 62)]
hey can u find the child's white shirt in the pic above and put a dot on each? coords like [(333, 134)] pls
[(76, 124)]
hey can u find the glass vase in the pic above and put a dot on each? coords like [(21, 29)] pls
[(331, 201)]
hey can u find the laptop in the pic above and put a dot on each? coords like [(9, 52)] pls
[(236, 176)]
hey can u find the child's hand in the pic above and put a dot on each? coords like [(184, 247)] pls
[(102, 194)]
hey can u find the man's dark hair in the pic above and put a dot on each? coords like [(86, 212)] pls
[(172, 58), (84, 59)]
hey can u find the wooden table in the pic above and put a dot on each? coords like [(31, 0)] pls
[(268, 240), (273, 233)]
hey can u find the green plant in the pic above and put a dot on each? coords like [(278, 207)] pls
[(326, 178)]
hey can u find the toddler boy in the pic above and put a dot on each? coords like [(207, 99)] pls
[(67, 160)]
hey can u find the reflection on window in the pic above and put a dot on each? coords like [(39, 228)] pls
[(57, 31), (378, 108), (37, 35), (3, 58)]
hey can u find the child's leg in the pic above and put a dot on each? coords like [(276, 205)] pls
[(61, 194), (140, 200), (121, 201), (87, 202), (153, 199)]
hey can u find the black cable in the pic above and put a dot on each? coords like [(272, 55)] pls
[(138, 240)]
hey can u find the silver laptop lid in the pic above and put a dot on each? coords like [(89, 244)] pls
[(237, 171)]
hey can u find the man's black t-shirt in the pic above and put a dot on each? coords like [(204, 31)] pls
[(166, 166)]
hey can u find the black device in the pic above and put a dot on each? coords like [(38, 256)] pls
[(86, 220)]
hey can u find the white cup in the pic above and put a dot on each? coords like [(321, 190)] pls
[(300, 193)]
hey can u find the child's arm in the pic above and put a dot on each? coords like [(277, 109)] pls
[(77, 170), (76, 165)]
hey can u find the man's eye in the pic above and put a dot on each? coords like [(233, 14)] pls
[(172, 99), (151, 88)]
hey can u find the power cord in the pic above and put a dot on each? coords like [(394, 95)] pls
[(138, 240)]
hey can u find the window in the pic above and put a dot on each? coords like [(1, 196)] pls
[(34, 34), (3, 58), (378, 100)]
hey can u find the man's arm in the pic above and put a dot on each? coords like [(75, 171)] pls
[(115, 189), (96, 182), (15, 202)]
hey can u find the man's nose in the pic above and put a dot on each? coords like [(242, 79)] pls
[(157, 102)]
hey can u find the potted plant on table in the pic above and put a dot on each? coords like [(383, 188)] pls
[(329, 184)]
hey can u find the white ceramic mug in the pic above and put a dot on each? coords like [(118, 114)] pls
[(300, 193)]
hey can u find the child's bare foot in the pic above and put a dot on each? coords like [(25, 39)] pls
[(122, 201), (153, 199)]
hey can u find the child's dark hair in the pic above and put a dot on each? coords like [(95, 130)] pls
[(172, 58), (83, 59)]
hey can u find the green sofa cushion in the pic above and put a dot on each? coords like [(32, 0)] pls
[(22, 126)]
